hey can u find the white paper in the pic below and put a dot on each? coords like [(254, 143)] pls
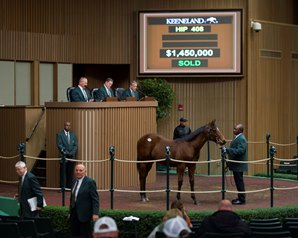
[(131, 218), (33, 203)]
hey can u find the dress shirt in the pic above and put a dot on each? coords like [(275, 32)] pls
[(84, 93)]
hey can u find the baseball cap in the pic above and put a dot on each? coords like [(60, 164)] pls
[(182, 119), (105, 224), (174, 226)]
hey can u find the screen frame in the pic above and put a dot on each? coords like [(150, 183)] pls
[(142, 54)]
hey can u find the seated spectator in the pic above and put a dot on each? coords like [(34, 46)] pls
[(105, 227), (224, 221), (176, 228), (170, 214), (179, 205)]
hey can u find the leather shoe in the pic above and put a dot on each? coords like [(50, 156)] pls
[(238, 202)]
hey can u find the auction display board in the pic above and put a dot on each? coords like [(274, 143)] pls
[(190, 42)]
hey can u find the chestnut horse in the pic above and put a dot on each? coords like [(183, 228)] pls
[(152, 147)]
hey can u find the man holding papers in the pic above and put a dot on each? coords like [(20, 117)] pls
[(29, 189)]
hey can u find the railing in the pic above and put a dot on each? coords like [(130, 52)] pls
[(269, 161), (36, 125)]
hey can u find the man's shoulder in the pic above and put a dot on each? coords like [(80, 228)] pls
[(177, 127), (30, 175), (75, 89)]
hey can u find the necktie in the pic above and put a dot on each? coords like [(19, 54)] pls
[(73, 194), (85, 95), (109, 93), (132, 93), (68, 137)]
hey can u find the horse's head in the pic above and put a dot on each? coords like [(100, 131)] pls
[(214, 134)]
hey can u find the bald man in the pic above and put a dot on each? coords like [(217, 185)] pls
[(84, 203), (238, 152), (224, 221)]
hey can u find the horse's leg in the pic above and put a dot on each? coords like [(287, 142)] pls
[(143, 169), (191, 172), (180, 172)]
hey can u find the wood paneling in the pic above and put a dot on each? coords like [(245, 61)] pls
[(17, 125), (272, 86), (282, 11), (98, 126), (105, 32)]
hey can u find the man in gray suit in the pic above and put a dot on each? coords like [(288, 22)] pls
[(67, 144), (84, 203), (28, 188), (238, 152)]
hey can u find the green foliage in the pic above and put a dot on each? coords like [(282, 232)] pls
[(150, 219), (279, 175), (59, 217), (161, 91)]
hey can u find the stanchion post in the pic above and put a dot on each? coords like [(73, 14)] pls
[(272, 152), (112, 158), (62, 177), (268, 151), (223, 160), (21, 149), (297, 156), (208, 158), (168, 152)]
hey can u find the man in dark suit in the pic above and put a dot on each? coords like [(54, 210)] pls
[(81, 93), (105, 91), (84, 203), (67, 144), (224, 221), (131, 91), (238, 152), (28, 188)]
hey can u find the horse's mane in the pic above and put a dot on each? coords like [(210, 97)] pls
[(192, 135)]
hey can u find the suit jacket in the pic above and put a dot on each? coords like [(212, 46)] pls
[(30, 188), (87, 202), (224, 222), (238, 151), (76, 95), (69, 149), (101, 94), (127, 93)]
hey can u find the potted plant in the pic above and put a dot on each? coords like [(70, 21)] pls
[(161, 90)]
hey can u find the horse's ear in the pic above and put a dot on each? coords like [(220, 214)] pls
[(212, 124)]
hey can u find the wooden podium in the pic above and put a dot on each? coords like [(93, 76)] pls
[(99, 125)]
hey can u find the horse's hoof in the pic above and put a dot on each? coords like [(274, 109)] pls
[(145, 199), (196, 202)]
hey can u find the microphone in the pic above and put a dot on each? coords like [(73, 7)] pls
[(143, 94)]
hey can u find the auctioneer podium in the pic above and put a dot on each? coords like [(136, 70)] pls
[(99, 125)]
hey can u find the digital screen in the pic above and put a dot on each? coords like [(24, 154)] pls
[(190, 42)]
